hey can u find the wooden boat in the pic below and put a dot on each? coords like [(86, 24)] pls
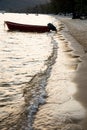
[(28, 28)]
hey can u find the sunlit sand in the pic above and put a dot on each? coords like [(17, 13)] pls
[(67, 86)]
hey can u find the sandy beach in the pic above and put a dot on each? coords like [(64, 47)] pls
[(66, 102)]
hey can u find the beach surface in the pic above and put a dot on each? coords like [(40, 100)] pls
[(66, 102)]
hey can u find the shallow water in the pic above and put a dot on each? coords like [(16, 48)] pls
[(23, 68)]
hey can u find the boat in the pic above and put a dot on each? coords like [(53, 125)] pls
[(28, 28)]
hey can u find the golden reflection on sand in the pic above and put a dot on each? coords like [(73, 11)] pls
[(62, 111)]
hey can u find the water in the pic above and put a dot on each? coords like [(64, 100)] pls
[(25, 65)]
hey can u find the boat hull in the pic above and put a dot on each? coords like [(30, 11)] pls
[(26, 28)]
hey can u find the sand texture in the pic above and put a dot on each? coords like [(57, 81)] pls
[(66, 102)]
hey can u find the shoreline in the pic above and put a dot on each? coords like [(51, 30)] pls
[(81, 74), (64, 108)]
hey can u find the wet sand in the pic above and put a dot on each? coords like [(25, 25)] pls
[(78, 28), (66, 102)]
